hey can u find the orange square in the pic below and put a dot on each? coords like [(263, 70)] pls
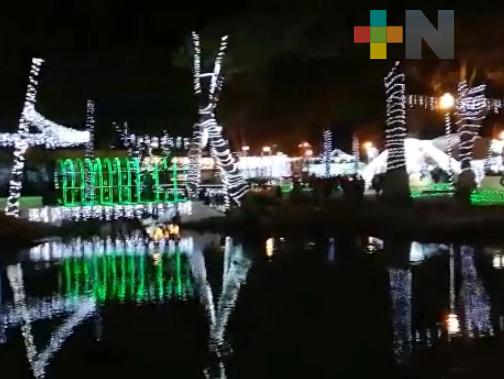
[(394, 34)]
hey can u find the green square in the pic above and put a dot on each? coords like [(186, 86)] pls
[(378, 34)]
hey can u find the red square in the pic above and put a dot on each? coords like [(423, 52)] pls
[(361, 34)]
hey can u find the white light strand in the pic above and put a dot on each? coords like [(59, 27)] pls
[(395, 133), (471, 107)]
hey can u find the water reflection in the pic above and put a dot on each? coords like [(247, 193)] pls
[(469, 313), (92, 273)]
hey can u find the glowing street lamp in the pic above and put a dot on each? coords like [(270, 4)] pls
[(446, 102), (266, 149), (308, 153), (371, 150)]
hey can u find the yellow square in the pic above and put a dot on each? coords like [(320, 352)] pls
[(378, 50)]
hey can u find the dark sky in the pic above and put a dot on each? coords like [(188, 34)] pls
[(292, 67)]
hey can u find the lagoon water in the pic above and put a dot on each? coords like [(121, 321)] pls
[(214, 307)]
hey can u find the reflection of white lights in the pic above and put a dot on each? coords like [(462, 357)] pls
[(453, 324), (498, 262), (270, 247)]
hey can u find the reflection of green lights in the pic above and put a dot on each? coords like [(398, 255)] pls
[(110, 181), (434, 190), (483, 197), (121, 277)]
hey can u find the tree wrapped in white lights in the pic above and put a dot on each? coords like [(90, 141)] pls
[(328, 148), (48, 134), (396, 184), (207, 131), (471, 109)]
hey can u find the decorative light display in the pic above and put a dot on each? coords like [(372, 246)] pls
[(401, 294), (140, 146), (476, 302), (90, 146), (56, 215), (471, 107), (487, 197), (120, 276), (433, 190), (49, 134), (395, 133), (328, 148), (208, 132), (116, 181), (418, 153)]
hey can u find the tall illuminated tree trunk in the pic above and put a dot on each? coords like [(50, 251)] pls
[(396, 184), (471, 108), (208, 132), (21, 144)]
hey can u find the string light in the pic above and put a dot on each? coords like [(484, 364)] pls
[(395, 133)]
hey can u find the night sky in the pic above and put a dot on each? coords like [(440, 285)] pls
[(291, 71)]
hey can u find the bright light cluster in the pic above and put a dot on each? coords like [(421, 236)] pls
[(395, 133)]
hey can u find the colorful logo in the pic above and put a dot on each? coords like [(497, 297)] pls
[(378, 34), (418, 29)]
